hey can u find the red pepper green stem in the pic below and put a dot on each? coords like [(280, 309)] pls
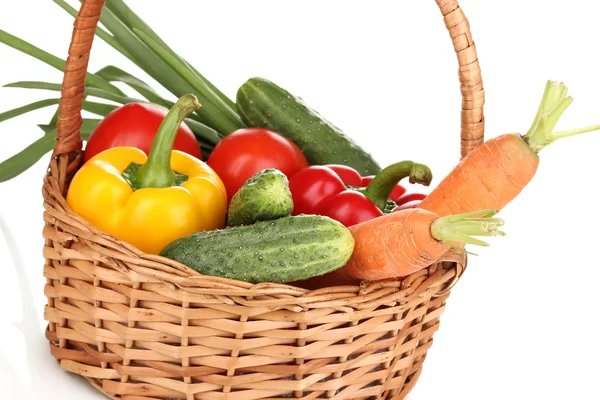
[(554, 103), (380, 188), (157, 171), (462, 228)]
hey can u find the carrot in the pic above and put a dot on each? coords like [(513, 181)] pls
[(494, 173), (404, 242)]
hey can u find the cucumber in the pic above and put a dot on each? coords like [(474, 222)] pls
[(263, 104), (263, 197), (284, 250)]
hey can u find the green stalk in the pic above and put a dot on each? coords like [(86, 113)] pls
[(89, 91), (157, 171), (26, 158), (53, 61), (462, 228), (382, 185), (231, 120), (114, 74), (202, 131), (132, 20), (101, 33), (158, 69), (27, 108), (554, 103)]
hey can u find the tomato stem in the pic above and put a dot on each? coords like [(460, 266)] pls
[(157, 171), (382, 185), (462, 228), (554, 103)]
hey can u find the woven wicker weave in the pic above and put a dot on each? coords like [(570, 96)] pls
[(141, 327)]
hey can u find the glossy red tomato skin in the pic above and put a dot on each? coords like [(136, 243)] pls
[(310, 186), (135, 125), (247, 151)]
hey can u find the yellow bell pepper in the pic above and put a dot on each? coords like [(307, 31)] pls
[(150, 201)]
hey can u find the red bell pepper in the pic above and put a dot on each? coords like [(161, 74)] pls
[(409, 198), (320, 190), (135, 125), (398, 191)]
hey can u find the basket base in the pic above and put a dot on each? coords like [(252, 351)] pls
[(400, 363)]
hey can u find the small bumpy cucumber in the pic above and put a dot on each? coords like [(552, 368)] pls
[(263, 197), (263, 104), (284, 250)]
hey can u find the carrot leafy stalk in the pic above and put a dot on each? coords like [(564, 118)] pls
[(463, 228), (554, 103)]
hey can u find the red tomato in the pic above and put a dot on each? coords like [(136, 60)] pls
[(398, 191), (348, 175), (247, 151), (405, 198), (135, 125)]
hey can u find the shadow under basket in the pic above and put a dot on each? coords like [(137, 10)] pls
[(141, 327)]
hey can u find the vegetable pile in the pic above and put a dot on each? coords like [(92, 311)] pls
[(265, 189)]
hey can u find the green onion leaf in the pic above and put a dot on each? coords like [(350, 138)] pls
[(233, 119), (26, 158), (132, 20), (114, 74), (90, 91), (101, 33), (53, 61), (27, 108)]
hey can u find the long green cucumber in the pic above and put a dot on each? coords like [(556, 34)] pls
[(284, 250), (263, 104), (264, 196)]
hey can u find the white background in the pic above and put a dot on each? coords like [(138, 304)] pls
[(521, 324)]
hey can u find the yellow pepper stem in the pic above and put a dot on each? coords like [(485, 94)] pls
[(157, 171)]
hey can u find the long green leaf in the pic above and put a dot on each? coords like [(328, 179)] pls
[(202, 131), (27, 108), (173, 62), (90, 91), (98, 108), (56, 62), (132, 20), (114, 74), (101, 33), (218, 118), (26, 158)]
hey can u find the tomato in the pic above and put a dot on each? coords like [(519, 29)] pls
[(135, 125), (247, 151)]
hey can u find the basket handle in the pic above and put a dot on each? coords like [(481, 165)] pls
[(69, 141)]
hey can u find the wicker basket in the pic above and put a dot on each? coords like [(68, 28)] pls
[(141, 327)]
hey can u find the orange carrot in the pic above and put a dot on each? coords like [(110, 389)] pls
[(404, 242), (494, 173)]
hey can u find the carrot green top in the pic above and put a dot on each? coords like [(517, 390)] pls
[(554, 103), (461, 228)]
